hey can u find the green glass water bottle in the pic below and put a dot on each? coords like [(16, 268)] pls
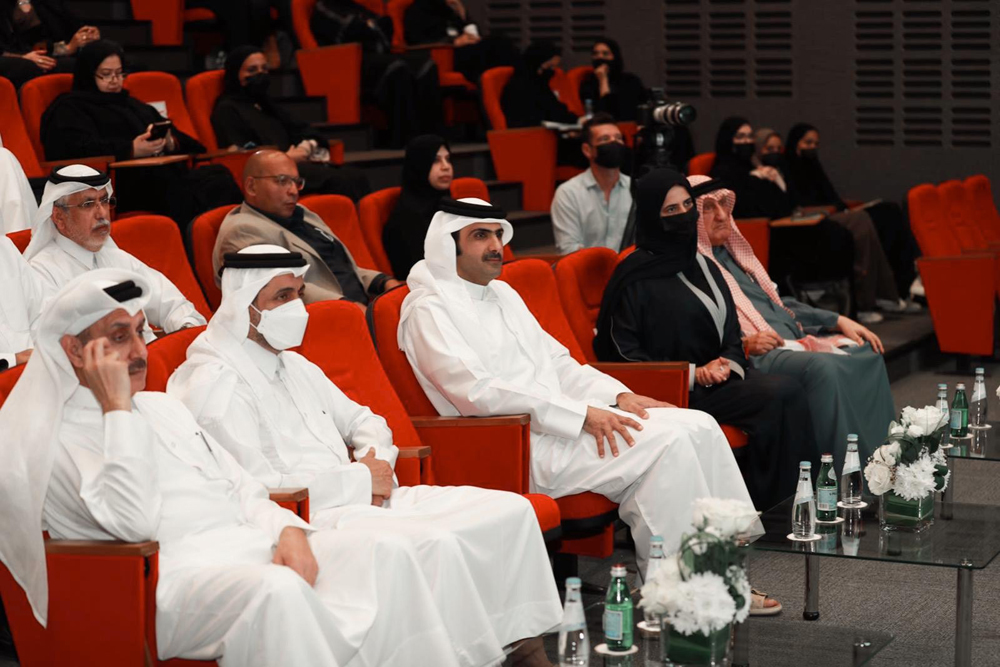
[(618, 612), (826, 490), (960, 413)]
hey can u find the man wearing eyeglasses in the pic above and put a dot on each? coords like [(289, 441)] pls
[(72, 235), (271, 215)]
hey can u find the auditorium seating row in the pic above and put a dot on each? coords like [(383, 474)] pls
[(958, 229)]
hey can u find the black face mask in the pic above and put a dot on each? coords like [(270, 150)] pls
[(611, 155), (744, 151), (810, 154), (681, 228), (547, 74), (258, 84), (597, 62), (771, 160)]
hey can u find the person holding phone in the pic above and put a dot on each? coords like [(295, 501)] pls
[(40, 37)]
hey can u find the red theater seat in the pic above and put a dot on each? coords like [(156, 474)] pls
[(963, 220), (20, 238), (701, 164), (202, 90), (983, 206), (15, 133), (492, 83), (152, 87), (340, 215), (201, 237), (571, 97), (36, 96)]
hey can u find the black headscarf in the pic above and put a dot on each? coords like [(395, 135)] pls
[(724, 137), (808, 184), (665, 247), (88, 59), (404, 232), (233, 89), (536, 54), (616, 66)]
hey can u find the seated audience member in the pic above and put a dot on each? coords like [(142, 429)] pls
[(271, 215), (824, 251), (477, 351), (610, 88), (245, 117), (770, 150), (405, 86), (427, 176), (847, 386), (808, 185), (591, 209), (72, 235), (448, 22), (20, 306), (287, 424), (665, 302), (17, 201), (241, 580), (99, 117), (39, 37)]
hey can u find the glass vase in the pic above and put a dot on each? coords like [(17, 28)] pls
[(677, 650), (896, 513)]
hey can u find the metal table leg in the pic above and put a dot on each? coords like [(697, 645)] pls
[(948, 495), (811, 612), (741, 632), (963, 617)]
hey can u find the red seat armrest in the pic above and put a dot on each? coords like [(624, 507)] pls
[(293, 499), (662, 380), (414, 466)]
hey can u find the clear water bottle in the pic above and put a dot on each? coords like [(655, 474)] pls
[(804, 506), (588, 109), (618, 612), (977, 411), (851, 481), (960, 413), (574, 643), (826, 490), (655, 559), (942, 405)]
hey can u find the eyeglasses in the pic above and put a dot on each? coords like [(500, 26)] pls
[(110, 202), (110, 76), (284, 180)]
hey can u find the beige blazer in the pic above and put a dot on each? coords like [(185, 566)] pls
[(245, 227)]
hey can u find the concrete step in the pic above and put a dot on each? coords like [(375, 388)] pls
[(505, 194), (532, 232), (97, 10), (126, 32), (173, 59), (384, 167)]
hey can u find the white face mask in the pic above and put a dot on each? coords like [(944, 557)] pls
[(283, 327)]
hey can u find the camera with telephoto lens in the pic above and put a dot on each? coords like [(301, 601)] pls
[(660, 111)]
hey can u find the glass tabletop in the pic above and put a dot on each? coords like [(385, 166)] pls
[(970, 539), (981, 443)]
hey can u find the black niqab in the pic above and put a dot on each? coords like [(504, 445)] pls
[(808, 184)]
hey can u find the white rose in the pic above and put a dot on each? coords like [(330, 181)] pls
[(929, 418), (886, 454), (879, 477), (896, 429), (914, 431)]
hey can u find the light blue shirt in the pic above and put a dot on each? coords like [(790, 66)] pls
[(582, 218)]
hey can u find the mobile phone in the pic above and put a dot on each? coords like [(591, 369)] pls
[(160, 130)]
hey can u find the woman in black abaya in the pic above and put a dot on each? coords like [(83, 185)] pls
[(665, 302), (427, 176)]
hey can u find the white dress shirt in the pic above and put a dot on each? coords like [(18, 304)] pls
[(583, 218)]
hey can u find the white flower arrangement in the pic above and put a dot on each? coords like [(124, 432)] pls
[(910, 464), (703, 588)]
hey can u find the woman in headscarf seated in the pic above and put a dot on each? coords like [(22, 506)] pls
[(427, 176), (245, 116), (40, 37), (610, 88), (809, 185), (528, 100), (99, 117), (665, 302), (404, 86), (448, 22), (837, 360)]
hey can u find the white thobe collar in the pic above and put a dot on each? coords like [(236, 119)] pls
[(476, 291), (78, 252), (265, 360)]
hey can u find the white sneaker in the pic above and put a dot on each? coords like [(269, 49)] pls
[(917, 288), (869, 317)]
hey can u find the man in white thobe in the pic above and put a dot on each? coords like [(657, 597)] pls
[(289, 425), (476, 350), (20, 305), (72, 235), (88, 455), (17, 201)]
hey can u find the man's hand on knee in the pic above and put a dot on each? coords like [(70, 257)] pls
[(637, 404), (602, 424), (294, 551)]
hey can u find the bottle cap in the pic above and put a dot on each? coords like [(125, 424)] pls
[(980, 371), (572, 582), (852, 437), (826, 458), (656, 539), (960, 386), (943, 386), (618, 570), (805, 464)]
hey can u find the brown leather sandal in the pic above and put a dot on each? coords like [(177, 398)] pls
[(757, 601)]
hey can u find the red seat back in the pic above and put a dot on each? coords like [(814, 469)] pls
[(983, 206), (581, 278), (572, 98), (36, 96), (373, 212), (526, 155), (152, 87), (962, 218), (166, 19), (341, 217), (203, 232), (396, 9), (462, 188), (343, 91), (930, 222), (302, 11), (701, 164), (155, 241), (15, 134), (20, 238), (202, 90), (492, 83), (535, 282), (166, 354), (383, 316)]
